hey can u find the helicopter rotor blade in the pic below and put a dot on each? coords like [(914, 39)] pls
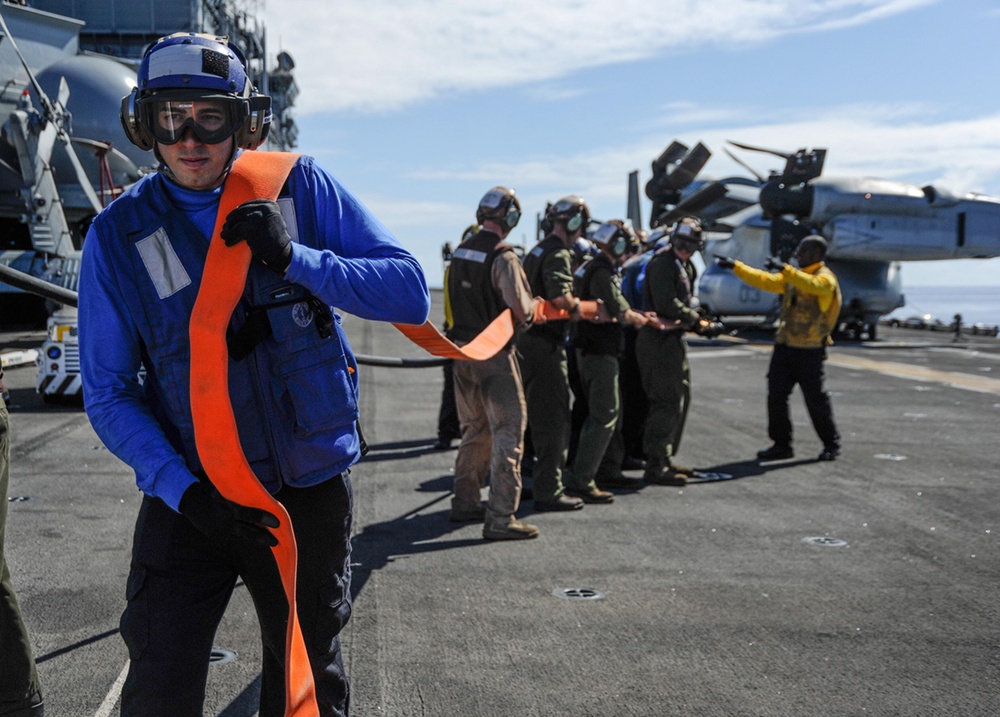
[(751, 148), (692, 204), (757, 175)]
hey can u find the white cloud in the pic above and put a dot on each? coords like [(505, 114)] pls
[(892, 142), (377, 55)]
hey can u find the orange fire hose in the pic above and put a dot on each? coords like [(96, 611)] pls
[(255, 175), (260, 175)]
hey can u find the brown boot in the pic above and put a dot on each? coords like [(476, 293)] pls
[(666, 476), (512, 530), (591, 495), (681, 469)]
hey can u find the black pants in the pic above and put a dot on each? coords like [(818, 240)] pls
[(790, 366), (179, 586), (448, 425), (635, 405)]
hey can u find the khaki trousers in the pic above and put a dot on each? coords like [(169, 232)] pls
[(492, 412)]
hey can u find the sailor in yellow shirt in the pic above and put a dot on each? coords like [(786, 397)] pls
[(810, 306)]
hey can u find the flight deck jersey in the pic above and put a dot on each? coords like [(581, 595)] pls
[(668, 288), (810, 302), (549, 270), (294, 392), (598, 279), (474, 300)]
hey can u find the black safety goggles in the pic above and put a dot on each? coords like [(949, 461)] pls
[(212, 120)]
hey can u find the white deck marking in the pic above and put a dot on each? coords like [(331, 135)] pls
[(112, 699)]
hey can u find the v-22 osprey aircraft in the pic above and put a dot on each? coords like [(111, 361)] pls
[(872, 225)]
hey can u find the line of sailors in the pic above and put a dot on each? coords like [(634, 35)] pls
[(629, 306)]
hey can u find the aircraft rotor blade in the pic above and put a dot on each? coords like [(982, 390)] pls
[(692, 204), (751, 148), (757, 175)]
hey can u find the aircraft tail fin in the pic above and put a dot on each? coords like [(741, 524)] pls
[(634, 210)]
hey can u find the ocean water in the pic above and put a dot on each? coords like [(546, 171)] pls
[(974, 303)]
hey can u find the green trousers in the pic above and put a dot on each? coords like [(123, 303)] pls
[(18, 679), (666, 379), (545, 372), (596, 454)]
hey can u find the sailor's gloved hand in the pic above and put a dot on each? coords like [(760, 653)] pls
[(724, 262), (219, 518), (774, 264), (259, 223), (708, 329)]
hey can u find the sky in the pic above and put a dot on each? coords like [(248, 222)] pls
[(420, 106)]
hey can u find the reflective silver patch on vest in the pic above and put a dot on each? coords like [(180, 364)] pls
[(470, 255), (287, 207), (162, 264), (302, 314)]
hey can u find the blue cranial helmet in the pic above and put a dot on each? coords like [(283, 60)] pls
[(186, 67)]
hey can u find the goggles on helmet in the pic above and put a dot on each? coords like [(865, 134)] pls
[(212, 120), (187, 68)]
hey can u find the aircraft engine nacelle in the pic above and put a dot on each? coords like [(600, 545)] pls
[(862, 195), (869, 289), (966, 229)]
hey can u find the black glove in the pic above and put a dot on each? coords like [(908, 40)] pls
[(259, 223), (709, 329), (724, 262), (774, 264), (219, 518)]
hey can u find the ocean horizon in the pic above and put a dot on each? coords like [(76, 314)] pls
[(976, 304)]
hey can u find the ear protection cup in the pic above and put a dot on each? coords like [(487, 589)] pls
[(134, 131), (254, 130), (620, 246), (512, 217)]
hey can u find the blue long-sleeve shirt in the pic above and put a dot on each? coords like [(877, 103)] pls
[(141, 270)]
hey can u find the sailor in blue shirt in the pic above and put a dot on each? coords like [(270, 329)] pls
[(292, 377)]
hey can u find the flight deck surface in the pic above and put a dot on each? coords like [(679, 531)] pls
[(865, 586)]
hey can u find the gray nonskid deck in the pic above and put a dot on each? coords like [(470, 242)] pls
[(862, 586)]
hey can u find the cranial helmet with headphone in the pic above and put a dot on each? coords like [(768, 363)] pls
[(500, 205), (188, 67), (617, 236), (688, 234), (570, 211)]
